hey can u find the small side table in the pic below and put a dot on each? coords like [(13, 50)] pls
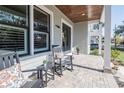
[(43, 69)]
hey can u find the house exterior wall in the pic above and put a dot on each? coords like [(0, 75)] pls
[(80, 36), (32, 61), (58, 15)]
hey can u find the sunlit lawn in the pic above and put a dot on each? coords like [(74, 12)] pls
[(121, 56)]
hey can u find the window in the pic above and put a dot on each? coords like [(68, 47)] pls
[(41, 30), (66, 38), (14, 28), (95, 26)]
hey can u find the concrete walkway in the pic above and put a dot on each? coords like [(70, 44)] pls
[(87, 73)]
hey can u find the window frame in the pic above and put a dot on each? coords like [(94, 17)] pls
[(26, 33), (48, 48), (28, 28)]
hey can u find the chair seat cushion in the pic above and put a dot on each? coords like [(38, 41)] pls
[(11, 77)]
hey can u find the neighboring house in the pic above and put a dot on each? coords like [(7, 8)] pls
[(32, 30)]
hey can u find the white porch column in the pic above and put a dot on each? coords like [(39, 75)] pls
[(88, 38), (100, 44), (31, 18), (100, 39), (107, 48)]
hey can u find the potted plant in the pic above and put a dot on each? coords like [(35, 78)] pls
[(45, 63), (78, 50)]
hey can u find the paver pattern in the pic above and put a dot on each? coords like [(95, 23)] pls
[(87, 73)]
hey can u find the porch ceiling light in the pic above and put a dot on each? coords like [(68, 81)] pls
[(83, 14)]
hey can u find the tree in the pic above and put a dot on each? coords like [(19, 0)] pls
[(119, 31), (119, 39), (116, 33)]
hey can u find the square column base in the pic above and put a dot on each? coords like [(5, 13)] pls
[(107, 70)]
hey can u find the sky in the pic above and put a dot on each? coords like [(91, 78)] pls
[(117, 16)]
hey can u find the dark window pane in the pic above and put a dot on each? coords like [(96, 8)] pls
[(15, 15), (40, 41), (41, 20), (13, 28), (66, 37)]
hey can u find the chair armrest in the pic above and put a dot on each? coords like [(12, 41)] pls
[(34, 69), (69, 54), (38, 70), (30, 70)]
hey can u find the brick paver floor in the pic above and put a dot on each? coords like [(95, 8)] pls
[(87, 73)]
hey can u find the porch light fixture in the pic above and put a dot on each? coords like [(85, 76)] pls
[(101, 23), (83, 14), (57, 26)]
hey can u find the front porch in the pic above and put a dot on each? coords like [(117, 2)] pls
[(87, 73), (69, 34)]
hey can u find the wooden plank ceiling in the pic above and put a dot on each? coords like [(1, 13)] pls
[(80, 13)]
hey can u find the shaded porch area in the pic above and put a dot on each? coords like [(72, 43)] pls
[(87, 73)]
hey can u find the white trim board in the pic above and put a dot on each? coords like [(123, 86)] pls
[(93, 21)]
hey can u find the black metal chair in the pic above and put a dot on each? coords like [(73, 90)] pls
[(9, 59), (61, 61)]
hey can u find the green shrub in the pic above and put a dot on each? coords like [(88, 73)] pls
[(114, 54), (94, 52)]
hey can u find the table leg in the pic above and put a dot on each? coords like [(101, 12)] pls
[(60, 66), (71, 63), (41, 76), (46, 77)]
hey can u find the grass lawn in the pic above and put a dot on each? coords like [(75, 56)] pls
[(121, 56)]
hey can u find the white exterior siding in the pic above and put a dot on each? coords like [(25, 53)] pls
[(58, 15), (80, 36)]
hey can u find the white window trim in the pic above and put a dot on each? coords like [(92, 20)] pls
[(25, 38), (51, 22), (71, 26), (31, 16), (42, 7)]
